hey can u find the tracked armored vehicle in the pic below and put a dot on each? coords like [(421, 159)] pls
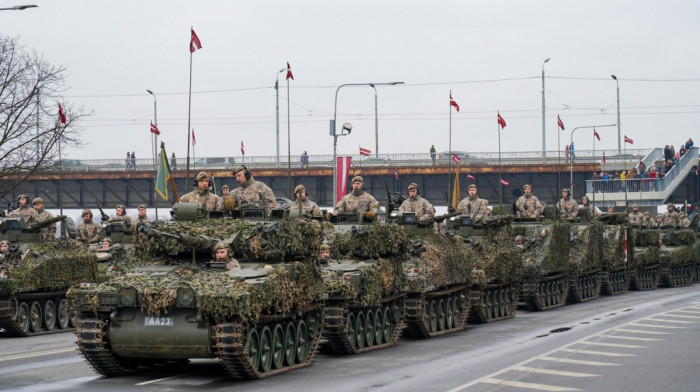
[(585, 261), (493, 251), (259, 318), (619, 266), (677, 264), (365, 284), (34, 278), (646, 253)]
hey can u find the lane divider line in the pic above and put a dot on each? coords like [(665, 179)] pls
[(158, 380), (528, 385), (554, 372), (36, 354), (614, 345), (601, 353), (657, 326), (671, 321), (629, 338), (578, 361), (647, 332)]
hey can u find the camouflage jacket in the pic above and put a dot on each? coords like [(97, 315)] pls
[(89, 232), (685, 222), (308, 206), (125, 218), (635, 219), (529, 206), (567, 208), (47, 233), (671, 219), (29, 214), (361, 203), (474, 207), (135, 223), (201, 196), (589, 211), (254, 193), (423, 209), (648, 223)]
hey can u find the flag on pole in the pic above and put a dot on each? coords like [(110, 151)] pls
[(504, 182), (365, 152), (628, 140), (163, 173), (194, 141), (195, 43), (342, 167), (154, 129), (456, 158), (242, 148), (396, 174), (455, 193), (641, 163), (596, 134), (453, 102), (289, 72), (603, 157), (624, 246), (469, 176), (560, 123), (501, 121), (61, 114)]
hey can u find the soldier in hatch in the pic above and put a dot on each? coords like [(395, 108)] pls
[(49, 232), (88, 230), (223, 254), (423, 209), (635, 218), (141, 217), (473, 206), (567, 206), (357, 201), (121, 215), (201, 193), (670, 218), (250, 191), (309, 207), (528, 205), (24, 210)]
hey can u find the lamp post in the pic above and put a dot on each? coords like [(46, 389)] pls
[(277, 108), (18, 7), (619, 146), (571, 141), (544, 146), (155, 148), (336, 135)]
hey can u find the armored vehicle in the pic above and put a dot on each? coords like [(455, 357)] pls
[(365, 283), (260, 315), (646, 253), (585, 261), (440, 275), (35, 275), (619, 259), (676, 257), (495, 253)]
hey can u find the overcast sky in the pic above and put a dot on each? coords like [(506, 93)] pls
[(489, 53)]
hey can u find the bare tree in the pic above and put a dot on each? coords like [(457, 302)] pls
[(30, 130)]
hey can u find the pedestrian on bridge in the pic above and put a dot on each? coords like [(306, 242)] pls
[(433, 152)]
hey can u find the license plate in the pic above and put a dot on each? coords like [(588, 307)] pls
[(152, 321)]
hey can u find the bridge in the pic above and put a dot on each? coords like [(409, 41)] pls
[(110, 182)]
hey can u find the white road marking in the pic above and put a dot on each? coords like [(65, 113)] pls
[(680, 315), (671, 321), (578, 362), (614, 345), (657, 326), (36, 354), (629, 338), (687, 311), (528, 385), (648, 332), (602, 353), (554, 372), (158, 380)]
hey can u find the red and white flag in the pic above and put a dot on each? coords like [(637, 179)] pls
[(61, 114), (289, 72), (154, 129), (560, 123), (396, 174), (195, 43), (641, 163), (469, 176), (453, 102), (342, 167), (501, 121), (624, 246), (456, 158), (365, 152), (504, 182), (194, 141), (628, 140), (603, 157), (596, 134), (242, 148)]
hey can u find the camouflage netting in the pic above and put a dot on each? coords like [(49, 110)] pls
[(221, 296), (51, 265), (545, 249), (381, 241), (675, 255), (287, 240), (440, 261), (614, 248), (646, 237), (498, 257), (586, 252), (678, 237)]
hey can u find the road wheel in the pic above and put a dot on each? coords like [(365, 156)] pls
[(49, 315), (35, 317), (278, 346), (361, 328), (265, 349), (253, 348), (290, 343), (379, 326), (23, 318), (369, 338), (449, 320), (63, 316), (387, 324), (352, 328), (302, 341)]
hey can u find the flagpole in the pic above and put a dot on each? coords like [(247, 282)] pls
[(189, 112), (624, 170), (593, 184), (449, 160), (558, 128), (289, 146), (500, 169)]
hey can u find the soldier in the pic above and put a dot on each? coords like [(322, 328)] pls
[(647, 221), (611, 210), (121, 215), (4, 250), (528, 205), (309, 207), (473, 206), (88, 230), (106, 244), (683, 220), (659, 221), (141, 217), (222, 252), (635, 217), (423, 209), (24, 211), (225, 190), (357, 201), (251, 191), (519, 241), (49, 232), (670, 217), (324, 252), (587, 209), (566, 206), (201, 193)]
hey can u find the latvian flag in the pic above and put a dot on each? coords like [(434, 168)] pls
[(365, 152), (504, 182), (455, 158), (469, 176), (628, 140)]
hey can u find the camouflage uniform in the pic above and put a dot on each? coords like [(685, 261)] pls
[(254, 192), (588, 211), (360, 202), (125, 218), (49, 232), (567, 208), (684, 222), (29, 214), (308, 206), (670, 219), (474, 207), (528, 205), (635, 218), (89, 232), (423, 209), (201, 196), (139, 219)]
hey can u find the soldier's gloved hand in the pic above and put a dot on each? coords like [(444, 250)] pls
[(329, 215), (229, 203), (370, 215)]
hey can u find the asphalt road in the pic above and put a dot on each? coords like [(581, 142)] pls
[(637, 341)]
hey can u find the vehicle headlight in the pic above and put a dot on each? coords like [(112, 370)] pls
[(185, 297), (127, 296)]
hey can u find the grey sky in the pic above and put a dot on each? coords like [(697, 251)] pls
[(114, 51)]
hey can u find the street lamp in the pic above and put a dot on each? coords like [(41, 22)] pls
[(335, 134), (571, 141), (155, 122), (619, 146), (544, 147), (18, 7), (277, 108)]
